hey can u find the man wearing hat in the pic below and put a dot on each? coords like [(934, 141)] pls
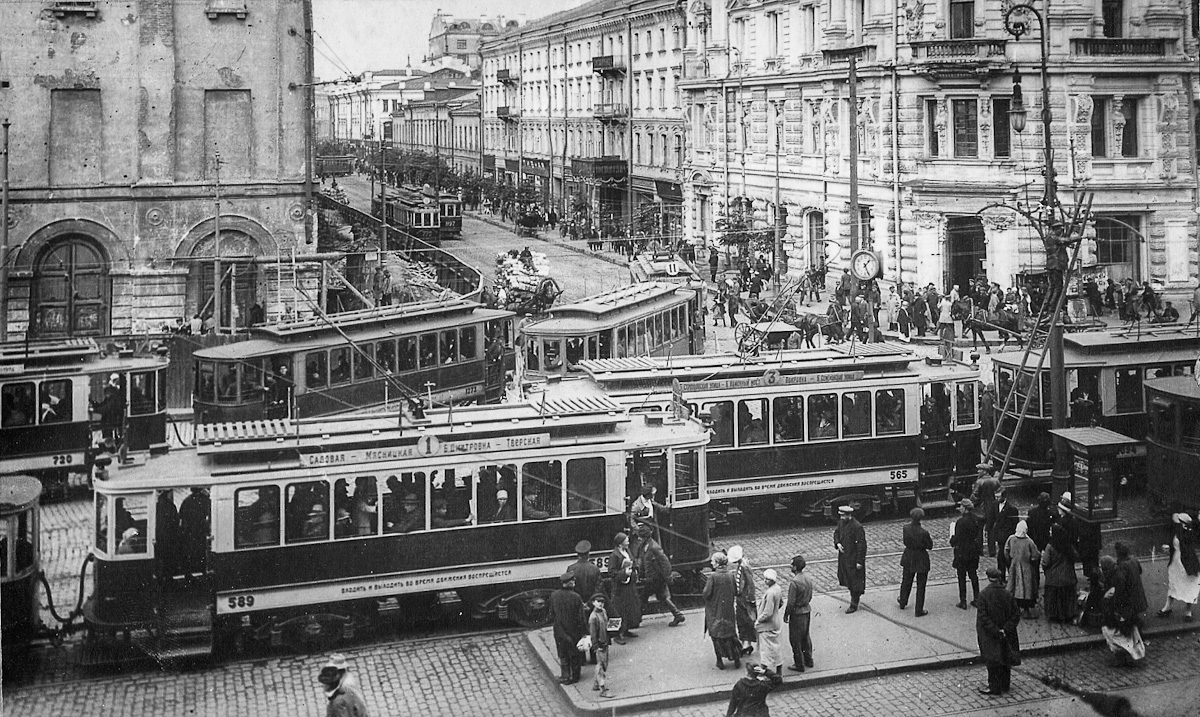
[(598, 630), (1003, 528), (770, 622), (412, 515), (341, 689), (964, 538), (656, 569), (984, 498), (798, 615), (587, 579), (996, 630), (566, 610), (851, 542)]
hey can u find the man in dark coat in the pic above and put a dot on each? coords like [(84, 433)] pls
[(915, 561), (1131, 572), (996, 628), (720, 621), (587, 579), (749, 695), (964, 538), (851, 542), (798, 615), (1039, 520), (1007, 518), (566, 610), (656, 569)]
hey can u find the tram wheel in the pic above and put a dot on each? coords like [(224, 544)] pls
[(864, 506), (530, 612)]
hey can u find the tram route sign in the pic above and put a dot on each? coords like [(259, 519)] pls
[(425, 447), (774, 378)]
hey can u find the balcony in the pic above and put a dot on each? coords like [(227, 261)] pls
[(217, 8), (607, 65), (970, 58), (1122, 46), (508, 114), (506, 77), (62, 8), (610, 111)]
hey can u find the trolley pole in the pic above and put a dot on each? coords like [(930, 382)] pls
[(4, 231), (217, 246)]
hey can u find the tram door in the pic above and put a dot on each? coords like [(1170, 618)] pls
[(650, 468), (937, 446)]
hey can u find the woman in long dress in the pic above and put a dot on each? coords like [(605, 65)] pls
[(1120, 621), (1183, 572), (745, 604), (719, 620), (626, 604), (1058, 568), (1023, 556)]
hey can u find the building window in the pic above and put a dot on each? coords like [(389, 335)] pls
[(772, 34), (809, 32), (1117, 239), (932, 141), (1113, 12), (678, 150), (966, 128), (864, 230), (461, 44), (816, 238), (1001, 133), (962, 19), (1115, 127)]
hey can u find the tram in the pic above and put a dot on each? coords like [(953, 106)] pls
[(55, 394), (450, 215), (648, 319), (1106, 371), (445, 351), (874, 428), (302, 534), (413, 211), (1173, 441), (20, 568), (663, 266)]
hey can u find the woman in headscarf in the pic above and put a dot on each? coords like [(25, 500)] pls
[(746, 607), (1023, 556), (719, 620), (1120, 621), (1183, 572), (626, 604), (1058, 567)]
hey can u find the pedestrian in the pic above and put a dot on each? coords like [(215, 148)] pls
[(587, 575), (1120, 625), (196, 325), (851, 542), (1040, 519), (749, 695), (567, 613), (983, 496), (731, 299), (1183, 569), (964, 538), (341, 689), (914, 563), (598, 632), (945, 324), (1005, 525), (713, 259), (656, 571), (625, 602), (745, 605), (1023, 558), (720, 621), (1131, 571), (996, 629), (798, 615), (1058, 565), (770, 622)]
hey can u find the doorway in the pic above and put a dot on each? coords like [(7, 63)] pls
[(966, 251)]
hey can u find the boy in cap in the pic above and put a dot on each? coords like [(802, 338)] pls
[(598, 629), (341, 689), (851, 542), (566, 610)]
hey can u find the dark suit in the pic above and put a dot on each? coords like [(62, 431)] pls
[(996, 629), (566, 609), (587, 578), (850, 535), (965, 542), (915, 563)]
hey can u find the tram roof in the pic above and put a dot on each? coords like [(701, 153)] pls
[(611, 306), (1178, 386), (48, 350), (656, 267), (17, 492), (83, 357), (1118, 348)]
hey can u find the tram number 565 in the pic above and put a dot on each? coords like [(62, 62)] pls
[(238, 601), (901, 474)]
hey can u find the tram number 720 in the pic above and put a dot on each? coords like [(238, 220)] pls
[(900, 474)]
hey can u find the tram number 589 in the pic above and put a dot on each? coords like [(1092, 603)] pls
[(238, 601), (901, 474)]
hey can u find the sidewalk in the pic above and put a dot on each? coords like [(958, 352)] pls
[(668, 667)]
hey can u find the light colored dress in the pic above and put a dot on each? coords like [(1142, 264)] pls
[(1180, 585), (769, 626)]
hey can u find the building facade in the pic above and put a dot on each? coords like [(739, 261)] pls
[(359, 110), (460, 38), (127, 124), (586, 105), (939, 169), (444, 124)]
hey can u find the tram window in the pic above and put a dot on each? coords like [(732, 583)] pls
[(1004, 380), (428, 350), (1183, 369), (889, 411), (533, 352), (1158, 372), (451, 505), (339, 365), (541, 490), (585, 486), (256, 517), (752, 422), (641, 346), (314, 370), (252, 379), (721, 419), (497, 493), (1189, 426), (404, 503), (102, 545), (822, 416), (856, 414), (575, 350), (600, 346), (1047, 398), (142, 393), (1162, 421), (687, 476), (54, 402), (161, 375), (408, 353), (227, 385), (1129, 390), (468, 346), (363, 370), (355, 507), (17, 405), (449, 346), (206, 380), (130, 522), (306, 517), (24, 545), (552, 351), (654, 324), (935, 411), (673, 318), (964, 404), (385, 355)]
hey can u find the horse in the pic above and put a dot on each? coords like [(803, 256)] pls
[(809, 326), (1005, 321)]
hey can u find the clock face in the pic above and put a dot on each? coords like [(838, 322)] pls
[(865, 265)]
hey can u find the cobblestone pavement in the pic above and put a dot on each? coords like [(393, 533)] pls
[(956, 690)]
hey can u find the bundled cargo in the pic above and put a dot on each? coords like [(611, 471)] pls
[(523, 282)]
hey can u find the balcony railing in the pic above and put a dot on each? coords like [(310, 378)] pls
[(1122, 46), (607, 63), (968, 49), (217, 8), (505, 76), (62, 8), (507, 113), (610, 111)]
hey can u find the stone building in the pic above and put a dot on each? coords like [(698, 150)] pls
[(360, 109), (460, 38), (585, 104), (119, 113), (445, 124), (938, 165)]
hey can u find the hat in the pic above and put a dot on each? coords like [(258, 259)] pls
[(966, 504), (566, 577), (336, 661), (984, 466), (770, 574), (845, 510), (501, 494), (317, 510), (754, 669), (1182, 518), (1066, 502), (583, 546), (129, 534), (994, 575), (598, 596), (643, 528), (719, 558), (735, 553), (413, 498), (620, 538)]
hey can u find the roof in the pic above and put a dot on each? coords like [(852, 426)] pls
[(611, 308), (1094, 436), (1181, 386), (1133, 347)]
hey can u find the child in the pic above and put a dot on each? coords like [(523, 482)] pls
[(598, 629)]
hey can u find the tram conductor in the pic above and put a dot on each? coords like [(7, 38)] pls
[(851, 542)]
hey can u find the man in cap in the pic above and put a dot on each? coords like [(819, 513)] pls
[(656, 569), (341, 689), (996, 630), (1004, 527), (566, 610), (964, 538), (914, 563), (598, 630), (851, 542), (770, 622), (412, 515), (798, 615), (587, 580)]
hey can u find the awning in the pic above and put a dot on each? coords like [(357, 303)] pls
[(669, 191)]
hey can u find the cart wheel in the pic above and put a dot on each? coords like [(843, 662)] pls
[(743, 334)]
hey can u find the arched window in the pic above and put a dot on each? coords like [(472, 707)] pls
[(71, 290)]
